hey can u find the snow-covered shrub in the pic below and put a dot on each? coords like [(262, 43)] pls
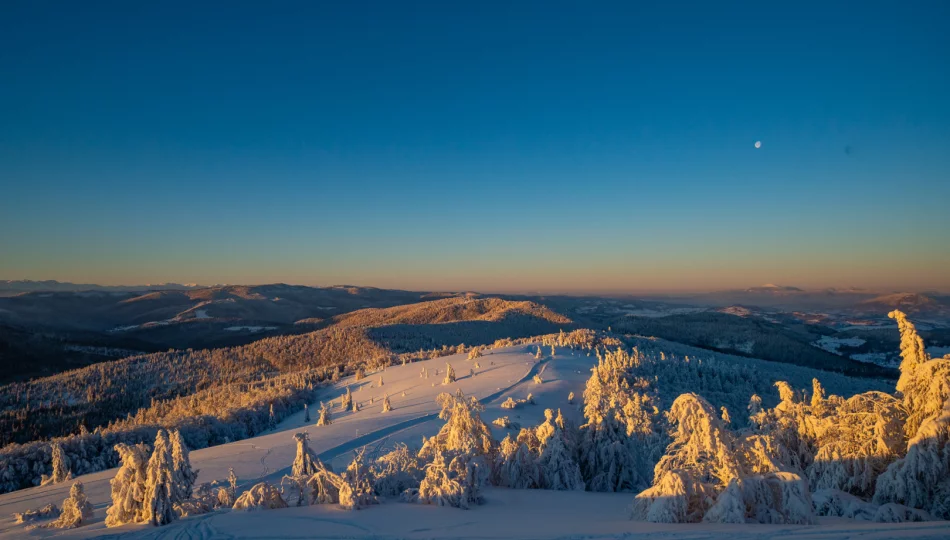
[(76, 509), (836, 503), (262, 496), (356, 487), (457, 484), (898, 513), (396, 472), (509, 403), (48, 512)]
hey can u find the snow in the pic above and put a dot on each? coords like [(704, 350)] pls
[(831, 344), (506, 513)]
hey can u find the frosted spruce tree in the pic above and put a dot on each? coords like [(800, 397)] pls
[(556, 464), (183, 475), (346, 402), (517, 466), (160, 492), (128, 486), (387, 406), (921, 477), (60, 461), (449, 374)]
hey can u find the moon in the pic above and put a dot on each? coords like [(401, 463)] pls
[(758, 144)]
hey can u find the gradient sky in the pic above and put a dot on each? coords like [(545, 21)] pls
[(499, 146)]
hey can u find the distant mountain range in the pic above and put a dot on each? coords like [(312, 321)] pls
[(9, 287)]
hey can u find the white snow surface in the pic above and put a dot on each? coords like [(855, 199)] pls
[(831, 344), (507, 513)]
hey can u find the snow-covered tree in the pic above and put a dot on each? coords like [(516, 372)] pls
[(262, 496), (396, 472), (517, 466), (387, 406), (698, 465), (921, 479), (558, 469), (324, 418), (306, 413), (232, 482), (464, 430), (306, 463), (457, 485), (449, 374), (61, 472), (183, 475), (128, 486), (380, 383), (346, 402), (76, 509), (160, 492), (356, 488)]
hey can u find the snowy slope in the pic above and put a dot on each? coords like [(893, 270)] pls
[(503, 373)]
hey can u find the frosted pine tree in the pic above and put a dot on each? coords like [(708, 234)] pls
[(380, 384), (160, 494), (76, 509), (184, 476), (558, 469), (271, 418), (386, 405), (128, 486), (306, 413)]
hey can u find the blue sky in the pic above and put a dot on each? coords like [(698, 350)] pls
[(553, 146)]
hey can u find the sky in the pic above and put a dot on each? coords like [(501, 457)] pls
[(494, 146)]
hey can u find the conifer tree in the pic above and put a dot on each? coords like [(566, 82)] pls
[(76, 509), (324, 419), (128, 486), (184, 476), (449, 374), (160, 493)]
